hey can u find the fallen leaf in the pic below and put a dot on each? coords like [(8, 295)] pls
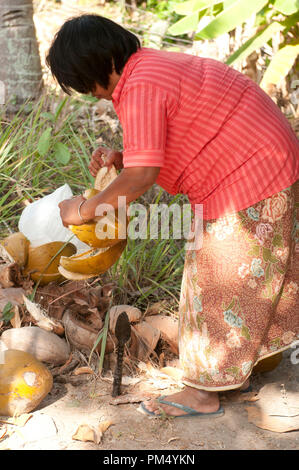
[(272, 423), (16, 320), (83, 370), (86, 433), (41, 318), (11, 294), (104, 425)]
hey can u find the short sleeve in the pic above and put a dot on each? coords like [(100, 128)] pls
[(143, 117)]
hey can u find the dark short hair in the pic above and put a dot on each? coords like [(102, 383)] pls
[(85, 49)]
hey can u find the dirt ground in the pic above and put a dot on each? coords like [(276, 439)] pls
[(53, 424)]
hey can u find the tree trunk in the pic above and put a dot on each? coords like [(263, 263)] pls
[(20, 66)]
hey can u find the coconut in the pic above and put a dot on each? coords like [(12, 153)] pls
[(43, 261)]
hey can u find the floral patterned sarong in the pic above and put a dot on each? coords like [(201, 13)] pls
[(240, 293)]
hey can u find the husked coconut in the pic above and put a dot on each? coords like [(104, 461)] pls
[(43, 345)]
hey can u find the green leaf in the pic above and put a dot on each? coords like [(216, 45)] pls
[(290, 21), (60, 107), (62, 153), (277, 240), (231, 17), (280, 65), (48, 116), (185, 25), (44, 142), (286, 7), (254, 43), (192, 6), (7, 313)]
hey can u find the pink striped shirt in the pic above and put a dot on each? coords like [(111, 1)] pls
[(215, 135)]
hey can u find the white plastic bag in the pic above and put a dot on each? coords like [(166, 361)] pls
[(41, 223)]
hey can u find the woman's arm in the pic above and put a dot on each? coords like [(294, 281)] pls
[(131, 183)]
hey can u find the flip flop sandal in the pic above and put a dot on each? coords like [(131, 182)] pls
[(188, 411)]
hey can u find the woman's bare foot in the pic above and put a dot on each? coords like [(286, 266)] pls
[(198, 400)]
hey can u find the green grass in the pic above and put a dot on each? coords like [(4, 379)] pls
[(51, 145)]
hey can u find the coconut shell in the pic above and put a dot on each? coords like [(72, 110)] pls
[(80, 335), (101, 232), (95, 261), (168, 326), (16, 245), (24, 383), (134, 315), (107, 231), (43, 345), (39, 258), (148, 337)]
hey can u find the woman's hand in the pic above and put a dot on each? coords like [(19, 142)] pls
[(103, 156), (69, 211)]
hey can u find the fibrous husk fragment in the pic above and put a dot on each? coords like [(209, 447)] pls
[(168, 326), (104, 177), (147, 337), (134, 315), (10, 275), (80, 335)]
